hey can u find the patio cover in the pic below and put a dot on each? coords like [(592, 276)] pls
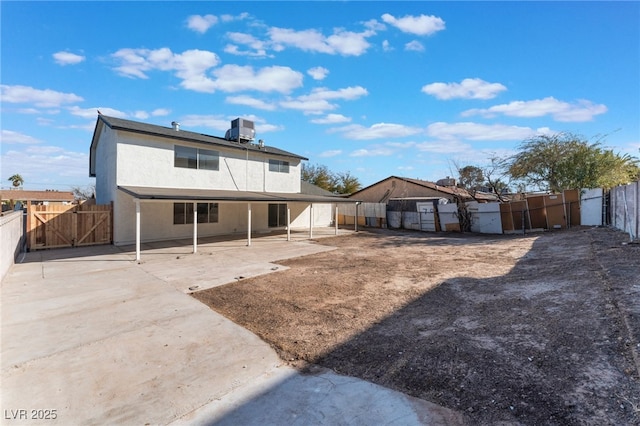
[(180, 194), (143, 193)]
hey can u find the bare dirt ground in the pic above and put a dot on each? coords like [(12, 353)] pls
[(534, 330)]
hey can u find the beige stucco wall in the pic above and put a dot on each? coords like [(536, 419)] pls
[(156, 220), (148, 161), (323, 215), (105, 167), (128, 159)]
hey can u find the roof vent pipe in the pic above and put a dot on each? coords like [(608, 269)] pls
[(175, 125)]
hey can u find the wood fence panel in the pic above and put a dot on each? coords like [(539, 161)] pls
[(537, 212), (506, 217), (572, 202), (68, 226), (520, 212), (556, 214)]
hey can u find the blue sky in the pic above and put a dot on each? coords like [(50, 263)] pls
[(370, 88)]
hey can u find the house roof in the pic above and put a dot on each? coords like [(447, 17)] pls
[(450, 190), (444, 189), (181, 194), (180, 135), (27, 195), (311, 189)]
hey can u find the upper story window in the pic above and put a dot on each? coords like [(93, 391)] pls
[(196, 158), (279, 166)]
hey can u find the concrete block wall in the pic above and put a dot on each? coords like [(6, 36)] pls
[(12, 239)]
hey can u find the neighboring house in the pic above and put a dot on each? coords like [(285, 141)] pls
[(49, 197), (167, 183), (395, 187), (411, 203)]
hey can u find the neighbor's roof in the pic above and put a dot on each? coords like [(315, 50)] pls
[(451, 190), (180, 194), (180, 135), (26, 195)]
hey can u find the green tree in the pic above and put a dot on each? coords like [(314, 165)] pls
[(489, 178), (471, 178), (321, 176), (16, 180), (566, 161), (318, 175), (346, 183)]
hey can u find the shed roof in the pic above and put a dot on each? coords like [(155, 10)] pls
[(180, 135)]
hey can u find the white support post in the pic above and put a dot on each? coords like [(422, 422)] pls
[(311, 221), (336, 221), (356, 218), (248, 224), (137, 230), (288, 223), (195, 227)]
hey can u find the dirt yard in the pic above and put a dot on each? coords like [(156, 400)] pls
[(541, 329)]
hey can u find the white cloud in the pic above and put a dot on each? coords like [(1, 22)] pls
[(216, 122), (250, 101), (376, 131), (332, 119), (481, 132), (330, 153), (579, 111), (347, 93), (67, 58), (317, 101), (386, 46), (41, 98), (38, 111), (341, 42), (414, 46), (258, 46), (375, 151), (160, 112), (448, 147), (231, 18), (222, 124), (92, 113), (235, 78), (190, 66), (418, 25), (374, 25), (309, 106), (469, 88), (141, 115), (318, 73), (11, 137), (44, 164), (201, 23)]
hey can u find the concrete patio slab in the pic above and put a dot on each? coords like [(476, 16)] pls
[(94, 337)]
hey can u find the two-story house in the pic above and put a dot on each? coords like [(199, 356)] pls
[(167, 183)]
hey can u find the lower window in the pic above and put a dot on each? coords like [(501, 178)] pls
[(277, 215), (206, 212)]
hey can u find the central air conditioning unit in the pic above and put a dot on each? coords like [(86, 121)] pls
[(242, 130)]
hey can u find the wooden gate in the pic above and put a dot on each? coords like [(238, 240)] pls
[(68, 226)]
